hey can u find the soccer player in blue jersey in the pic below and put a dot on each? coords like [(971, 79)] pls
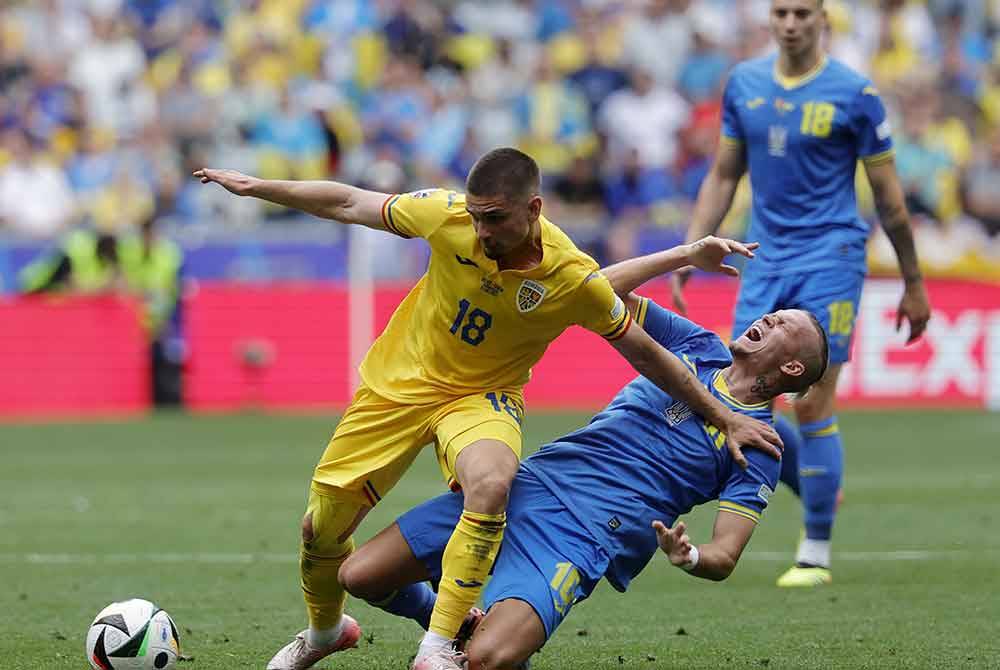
[(598, 502), (799, 121)]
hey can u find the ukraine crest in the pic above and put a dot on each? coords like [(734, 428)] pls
[(529, 295), (783, 105)]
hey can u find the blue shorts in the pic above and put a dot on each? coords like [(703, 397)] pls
[(832, 296), (546, 560)]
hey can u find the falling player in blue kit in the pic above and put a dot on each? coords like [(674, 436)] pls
[(799, 122), (598, 502)]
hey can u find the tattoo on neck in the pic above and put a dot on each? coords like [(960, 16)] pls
[(761, 388)]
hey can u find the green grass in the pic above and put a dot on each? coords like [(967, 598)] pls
[(91, 513)]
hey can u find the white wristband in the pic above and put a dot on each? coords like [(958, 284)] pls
[(692, 560)]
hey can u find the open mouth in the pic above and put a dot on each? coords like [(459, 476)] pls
[(754, 334)]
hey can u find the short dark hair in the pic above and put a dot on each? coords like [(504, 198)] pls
[(504, 171), (816, 364)]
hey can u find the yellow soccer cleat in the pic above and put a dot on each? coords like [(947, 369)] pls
[(805, 577)]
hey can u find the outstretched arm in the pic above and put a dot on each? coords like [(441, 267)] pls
[(706, 254), (325, 199), (715, 560), (667, 371), (891, 204)]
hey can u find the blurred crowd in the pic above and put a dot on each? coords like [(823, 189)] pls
[(108, 105)]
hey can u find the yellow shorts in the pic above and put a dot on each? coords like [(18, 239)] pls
[(377, 439)]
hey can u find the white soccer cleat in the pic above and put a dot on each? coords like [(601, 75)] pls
[(300, 655), (445, 658)]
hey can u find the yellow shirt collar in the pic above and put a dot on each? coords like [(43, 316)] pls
[(789, 83)]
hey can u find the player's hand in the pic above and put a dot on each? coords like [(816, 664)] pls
[(745, 431), (709, 252), (231, 180), (677, 281), (915, 308), (673, 541)]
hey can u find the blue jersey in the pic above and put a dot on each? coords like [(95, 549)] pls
[(802, 139), (647, 456)]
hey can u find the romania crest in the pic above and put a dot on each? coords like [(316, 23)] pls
[(529, 295)]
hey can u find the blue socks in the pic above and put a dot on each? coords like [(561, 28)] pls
[(415, 601), (821, 467), (790, 437)]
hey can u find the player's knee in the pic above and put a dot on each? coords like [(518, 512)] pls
[(308, 535), (489, 653), (488, 491), (355, 578)]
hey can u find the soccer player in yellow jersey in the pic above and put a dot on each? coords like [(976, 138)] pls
[(449, 368)]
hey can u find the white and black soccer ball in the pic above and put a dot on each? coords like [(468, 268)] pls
[(132, 635)]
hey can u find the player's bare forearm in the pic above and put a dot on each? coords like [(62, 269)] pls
[(718, 558), (630, 274), (668, 372), (714, 563), (707, 253), (325, 199), (714, 199), (715, 560), (896, 223), (914, 306), (891, 205)]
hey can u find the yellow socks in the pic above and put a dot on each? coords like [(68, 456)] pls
[(323, 594), (465, 565), (326, 544)]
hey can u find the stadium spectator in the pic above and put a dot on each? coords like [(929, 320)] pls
[(290, 141), (645, 118), (635, 186), (698, 144), (553, 119), (599, 76), (702, 75), (658, 39), (35, 196), (86, 262), (980, 186), (108, 70), (927, 171)]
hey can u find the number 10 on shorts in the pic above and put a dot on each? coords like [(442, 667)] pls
[(564, 584)]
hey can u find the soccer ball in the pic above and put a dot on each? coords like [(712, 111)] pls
[(132, 635)]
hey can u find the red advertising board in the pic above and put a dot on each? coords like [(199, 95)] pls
[(71, 356), (255, 346), (287, 346), (957, 363)]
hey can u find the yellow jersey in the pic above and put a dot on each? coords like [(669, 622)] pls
[(468, 327)]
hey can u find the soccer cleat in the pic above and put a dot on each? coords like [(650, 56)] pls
[(805, 576), (445, 658), (300, 655)]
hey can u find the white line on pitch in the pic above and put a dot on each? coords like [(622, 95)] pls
[(897, 555)]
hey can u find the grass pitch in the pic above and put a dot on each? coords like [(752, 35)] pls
[(201, 515)]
